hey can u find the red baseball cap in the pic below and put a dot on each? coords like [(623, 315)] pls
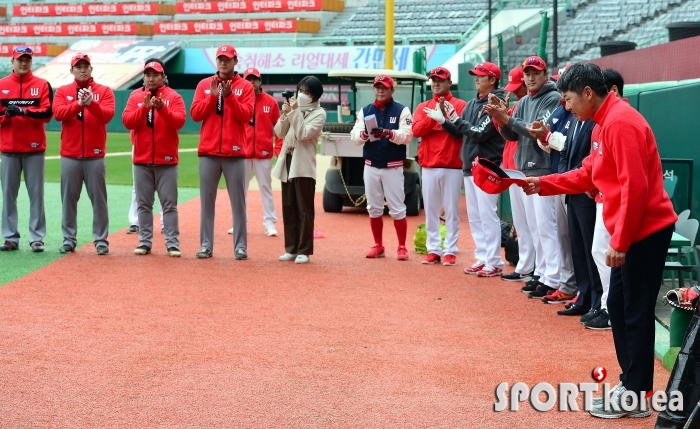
[(440, 72), (18, 51), (516, 78), (486, 69), (252, 71), (385, 80), (491, 179), (79, 57), (154, 66), (535, 62), (227, 51), (560, 72)]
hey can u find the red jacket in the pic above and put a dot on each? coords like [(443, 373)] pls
[(223, 130), (154, 132), (510, 148), (260, 137), (22, 134), (437, 148), (83, 128), (625, 166)]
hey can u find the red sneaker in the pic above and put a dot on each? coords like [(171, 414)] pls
[(474, 269), (557, 297), (570, 303), (449, 260), (432, 258), (402, 253), (376, 251), (489, 271)]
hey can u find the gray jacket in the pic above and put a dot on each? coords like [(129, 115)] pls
[(529, 158), (480, 135)]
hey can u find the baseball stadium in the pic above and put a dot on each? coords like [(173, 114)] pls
[(427, 214)]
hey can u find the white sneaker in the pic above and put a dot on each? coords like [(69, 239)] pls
[(287, 257), (271, 232), (230, 231), (302, 259)]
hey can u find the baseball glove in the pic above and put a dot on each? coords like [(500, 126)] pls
[(684, 298)]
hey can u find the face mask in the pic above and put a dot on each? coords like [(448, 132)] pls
[(303, 99)]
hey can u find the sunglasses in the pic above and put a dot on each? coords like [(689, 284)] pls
[(533, 62), (481, 68), (23, 50)]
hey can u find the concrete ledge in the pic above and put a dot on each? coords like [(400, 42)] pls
[(662, 348)]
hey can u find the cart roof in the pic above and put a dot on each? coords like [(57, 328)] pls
[(368, 75)]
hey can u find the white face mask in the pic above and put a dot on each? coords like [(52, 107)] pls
[(303, 99)]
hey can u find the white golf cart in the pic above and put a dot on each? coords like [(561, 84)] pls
[(344, 179)]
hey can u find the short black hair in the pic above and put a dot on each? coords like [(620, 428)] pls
[(312, 85), (614, 78), (579, 76)]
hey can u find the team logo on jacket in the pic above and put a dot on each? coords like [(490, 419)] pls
[(70, 98), (97, 151), (555, 120), (139, 104), (568, 123), (408, 121), (266, 109), (595, 145), (207, 91), (265, 153), (530, 164), (392, 120), (34, 92), (236, 148), (238, 91), (168, 159), (5, 91), (96, 97), (34, 145)]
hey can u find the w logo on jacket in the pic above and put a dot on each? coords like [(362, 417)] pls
[(238, 92), (266, 109), (34, 92), (392, 120)]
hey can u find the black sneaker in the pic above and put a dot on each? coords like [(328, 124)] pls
[(531, 286), (204, 253), (517, 277), (142, 250), (66, 248), (133, 229), (241, 254), (599, 323), (574, 310), (592, 314), (102, 250), (8, 246), (542, 291), (174, 252)]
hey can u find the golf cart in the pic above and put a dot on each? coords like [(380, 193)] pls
[(344, 179)]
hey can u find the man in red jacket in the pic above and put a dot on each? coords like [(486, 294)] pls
[(25, 106), (438, 155), (84, 109), (624, 165), (224, 105), (154, 114), (259, 148)]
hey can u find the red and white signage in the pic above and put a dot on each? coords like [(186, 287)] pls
[(39, 49), (227, 27), (87, 9), (247, 6), (76, 29)]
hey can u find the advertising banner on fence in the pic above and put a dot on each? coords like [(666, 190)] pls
[(247, 6), (226, 27), (73, 29), (95, 9), (115, 63)]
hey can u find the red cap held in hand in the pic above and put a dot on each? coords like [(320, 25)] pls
[(491, 179)]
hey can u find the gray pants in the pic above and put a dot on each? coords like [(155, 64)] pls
[(10, 175), (74, 172), (162, 178), (210, 170)]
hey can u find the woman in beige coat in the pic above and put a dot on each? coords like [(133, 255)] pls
[(300, 126)]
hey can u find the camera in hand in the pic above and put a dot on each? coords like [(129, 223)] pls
[(288, 93)]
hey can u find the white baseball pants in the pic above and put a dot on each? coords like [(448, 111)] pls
[(441, 189), (526, 246), (484, 224), (601, 242), (385, 183), (262, 168), (567, 279), (541, 221)]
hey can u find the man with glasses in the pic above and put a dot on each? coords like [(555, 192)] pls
[(25, 106), (84, 109)]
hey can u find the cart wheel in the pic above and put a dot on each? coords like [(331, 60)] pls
[(413, 200), (332, 203)]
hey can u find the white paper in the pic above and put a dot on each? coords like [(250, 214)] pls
[(371, 123)]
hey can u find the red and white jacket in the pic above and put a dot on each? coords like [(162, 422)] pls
[(625, 166), (83, 128), (154, 133), (260, 137), (24, 134), (437, 148), (223, 119)]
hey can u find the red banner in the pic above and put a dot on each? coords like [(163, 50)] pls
[(92, 9), (247, 6), (227, 27), (39, 50), (97, 29)]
